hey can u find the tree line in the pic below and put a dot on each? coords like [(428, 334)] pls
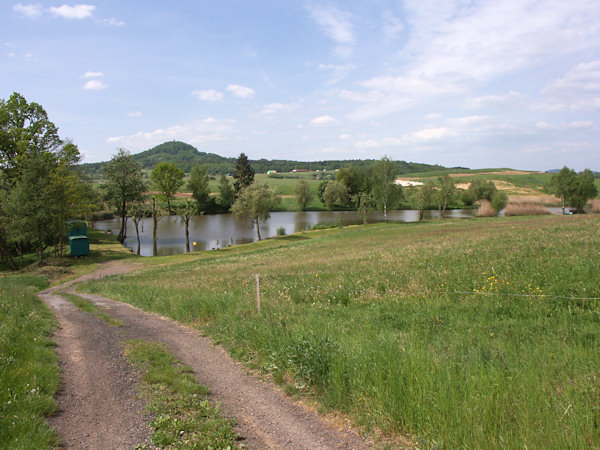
[(40, 188)]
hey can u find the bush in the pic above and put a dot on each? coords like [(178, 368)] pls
[(324, 226), (281, 231), (499, 201)]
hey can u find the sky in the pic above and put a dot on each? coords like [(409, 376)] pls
[(470, 83)]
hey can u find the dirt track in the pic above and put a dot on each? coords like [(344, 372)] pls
[(97, 405)]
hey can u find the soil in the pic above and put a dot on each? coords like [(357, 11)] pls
[(98, 407)]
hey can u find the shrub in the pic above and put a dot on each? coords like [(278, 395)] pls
[(281, 231), (324, 226), (499, 201), (486, 209)]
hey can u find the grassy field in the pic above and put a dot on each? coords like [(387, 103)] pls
[(473, 333), (29, 376)]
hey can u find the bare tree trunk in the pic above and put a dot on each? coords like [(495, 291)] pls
[(155, 229), (257, 228), (6, 254), (384, 213), (187, 235), (136, 222), (123, 232)]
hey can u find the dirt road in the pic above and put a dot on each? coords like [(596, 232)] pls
[(97, 404)]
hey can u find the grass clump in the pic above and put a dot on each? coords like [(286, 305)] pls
[(326, 225), (183, 417), (29, 374), (477, 334), (90, 307)]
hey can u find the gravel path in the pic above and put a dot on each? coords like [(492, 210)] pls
[(97, 402)]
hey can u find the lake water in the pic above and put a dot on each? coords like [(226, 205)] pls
[(221, 230)]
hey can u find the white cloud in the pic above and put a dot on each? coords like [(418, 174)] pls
[(433, 116), (345, 136), (198, 132), (241, 91), (324, 121), (134, 114), (392, 26), (30, 11), (73, 12), (93, 75), (94, 85), (113, 21), (274, 108), (369, 143), (495, 100), (430, 134), (209, 95), (579, 89), (336, 24)]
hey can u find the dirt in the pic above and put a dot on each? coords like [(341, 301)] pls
[(98, 407)]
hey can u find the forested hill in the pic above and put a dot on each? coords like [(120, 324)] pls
[(186, 156)]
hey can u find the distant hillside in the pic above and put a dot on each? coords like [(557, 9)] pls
[(186, 156)]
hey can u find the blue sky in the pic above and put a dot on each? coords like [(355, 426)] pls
[(511, 83)]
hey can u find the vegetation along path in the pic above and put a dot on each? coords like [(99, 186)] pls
[(97, 403)]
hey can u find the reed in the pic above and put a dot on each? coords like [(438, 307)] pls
[(485, 209), (525, 207)]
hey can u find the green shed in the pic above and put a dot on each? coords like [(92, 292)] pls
[(79, 244)]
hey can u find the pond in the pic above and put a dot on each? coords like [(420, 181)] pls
[(221, 230)]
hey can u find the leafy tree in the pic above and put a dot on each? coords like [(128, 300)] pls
[(303, 194), (185, 213), (321, 190), (445, 193), (354, 179), (335, 192), (124, 185), (198, 185), (243, 174), (423, 196), (226, 194), (167, 178), (482, 189), (561, 185), (499, 201), (365, 202), (255, 202), (137, 213), (386, 192), (583, 189)]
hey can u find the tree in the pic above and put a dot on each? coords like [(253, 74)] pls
[(499, 201), (335, 193), (482, 189), (167, 178), (137, 213), (364, 201), (422, 197), (226, 194), (303, 194), (386, 192), (561, 185), (124, 185), (156, 215), (37, 185), (583, 189), (255, 203), (198, 185), (185, 213), (243, 174), (445, 193)]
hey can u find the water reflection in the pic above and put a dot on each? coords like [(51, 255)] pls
[(222, 230)]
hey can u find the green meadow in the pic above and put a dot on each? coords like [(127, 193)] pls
[(473, 333), (29, 374)]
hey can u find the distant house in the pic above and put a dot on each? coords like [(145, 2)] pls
[(271, 172), (300, 170)]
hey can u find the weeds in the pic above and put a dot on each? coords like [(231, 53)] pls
[(90, 307), (29, 376), (183, 417)]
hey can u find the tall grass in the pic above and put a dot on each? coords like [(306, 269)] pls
[(594, 206), (485, 209), (524, 207), (416, 329), (29, 376)]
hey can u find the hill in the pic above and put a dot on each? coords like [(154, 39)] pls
[(186, 156)]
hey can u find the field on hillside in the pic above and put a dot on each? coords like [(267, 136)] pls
[(472, 333)]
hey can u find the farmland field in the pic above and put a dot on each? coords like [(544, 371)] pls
[(478, 333)]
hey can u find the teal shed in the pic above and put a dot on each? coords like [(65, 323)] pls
[(79, 244)]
